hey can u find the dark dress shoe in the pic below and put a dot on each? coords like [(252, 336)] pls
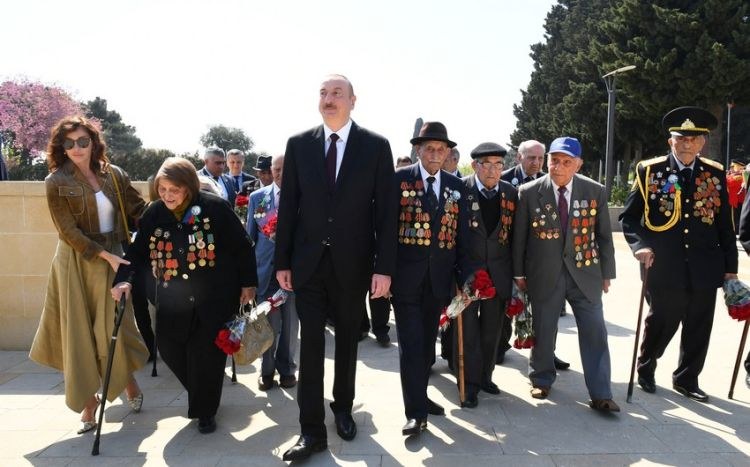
[(647, 383), (490, 388), (288, 381), (206, 425), (384, 340), (434, 409), (471, 401), (265, 383), (345, 426), (694, 393), (560, 364), (414, 426), (306, 445)]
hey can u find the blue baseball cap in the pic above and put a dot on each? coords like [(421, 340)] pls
[(566, 145)]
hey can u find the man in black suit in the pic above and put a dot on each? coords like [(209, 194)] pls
[(492, 203), (678, 224), (215, 161), (336, 237), (530, 161), (431, 235), (235, 162)]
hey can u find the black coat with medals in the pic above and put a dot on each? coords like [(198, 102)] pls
[(688, 225), (204, 261)]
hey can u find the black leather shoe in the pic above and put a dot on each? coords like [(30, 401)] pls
[(490, 388), (647, 383), (306, 445), (345, 426), (471, 401), (414, 426), (560, 364), (206, 425), (694, 393), (265, 383), (384, 340), (288, 381), (434, 409)]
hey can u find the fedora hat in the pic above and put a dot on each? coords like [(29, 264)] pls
[(264, 163), (433, 131)]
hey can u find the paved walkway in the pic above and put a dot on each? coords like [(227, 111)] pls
[(255, 428)]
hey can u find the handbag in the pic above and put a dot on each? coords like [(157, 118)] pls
[(257, 337)]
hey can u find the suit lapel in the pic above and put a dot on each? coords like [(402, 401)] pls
[(318, 151), (349, 159), (547, 198)]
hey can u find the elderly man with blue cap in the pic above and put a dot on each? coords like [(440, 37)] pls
[(678, 224), (562, 250)]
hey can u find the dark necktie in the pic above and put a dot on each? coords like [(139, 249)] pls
[(489, 194), (685, 175), (562, 207), (331, 161), (237, 185), (431, 196), (528, 179)]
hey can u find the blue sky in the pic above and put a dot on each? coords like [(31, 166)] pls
[(173, 68)]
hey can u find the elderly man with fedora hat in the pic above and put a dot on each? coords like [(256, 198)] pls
[(432, 226), (492, 203), (563, 250), (678, 224)]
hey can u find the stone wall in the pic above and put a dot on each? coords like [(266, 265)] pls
[(27, 244)]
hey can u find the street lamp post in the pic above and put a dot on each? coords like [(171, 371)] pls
[(609, 80)]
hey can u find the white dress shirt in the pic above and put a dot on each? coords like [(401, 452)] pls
[(343, 135)]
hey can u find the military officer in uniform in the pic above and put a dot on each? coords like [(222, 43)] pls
[(492, 203), (678, 224), (431, 236)]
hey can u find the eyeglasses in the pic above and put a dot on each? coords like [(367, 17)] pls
[(487, 165), (82, 142)]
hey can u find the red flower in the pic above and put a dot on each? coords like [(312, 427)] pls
[(269, 228), (224, 342), (515, 307), (526, 343), (241, 200), (735, 190), (483, 284), (740, 312)]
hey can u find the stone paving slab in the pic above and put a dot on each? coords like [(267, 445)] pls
[(510, 429)]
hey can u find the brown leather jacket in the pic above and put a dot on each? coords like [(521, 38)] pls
[(72, 205)]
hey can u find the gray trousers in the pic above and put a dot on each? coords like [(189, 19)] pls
[(592, 336), (280, 356)]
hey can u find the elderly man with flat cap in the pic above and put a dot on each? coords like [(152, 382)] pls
[(562, 250), (678, 224), (432, 224), (492, 203)]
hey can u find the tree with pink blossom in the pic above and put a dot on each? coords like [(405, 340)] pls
[(28, 111)]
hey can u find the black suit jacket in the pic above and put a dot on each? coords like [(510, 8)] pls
[(357, 220), (515, 177), (700, 247), (442, 257), (246, 179), (489, 246)]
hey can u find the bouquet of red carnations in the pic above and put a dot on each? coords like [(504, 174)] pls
[(519, 308), (269, 228), (477, 287), (737, 298), (240, 206)]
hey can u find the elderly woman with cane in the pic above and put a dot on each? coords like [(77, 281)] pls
[(89, 200), (200, 254)]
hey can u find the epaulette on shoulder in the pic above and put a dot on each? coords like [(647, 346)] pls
[(712, 163), (655, 160)]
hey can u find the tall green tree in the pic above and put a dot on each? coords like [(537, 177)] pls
[(120, 137), (227, 138)]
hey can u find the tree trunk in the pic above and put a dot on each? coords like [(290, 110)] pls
[(712, 150)]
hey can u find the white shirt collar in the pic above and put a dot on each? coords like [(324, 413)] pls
[(569, 187), (425, 174), (681, 166), (480, 185), (343, 132)]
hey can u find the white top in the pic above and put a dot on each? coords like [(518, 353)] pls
[(343, 135), (568, 191), (106, 212), (435, 184)]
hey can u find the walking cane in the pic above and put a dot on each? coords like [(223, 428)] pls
[(740, 351), (234, 370), (157, 281), (461, 383), (637, 335), (113, 341)]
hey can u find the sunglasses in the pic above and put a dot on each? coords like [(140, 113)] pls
[(82, 142)]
